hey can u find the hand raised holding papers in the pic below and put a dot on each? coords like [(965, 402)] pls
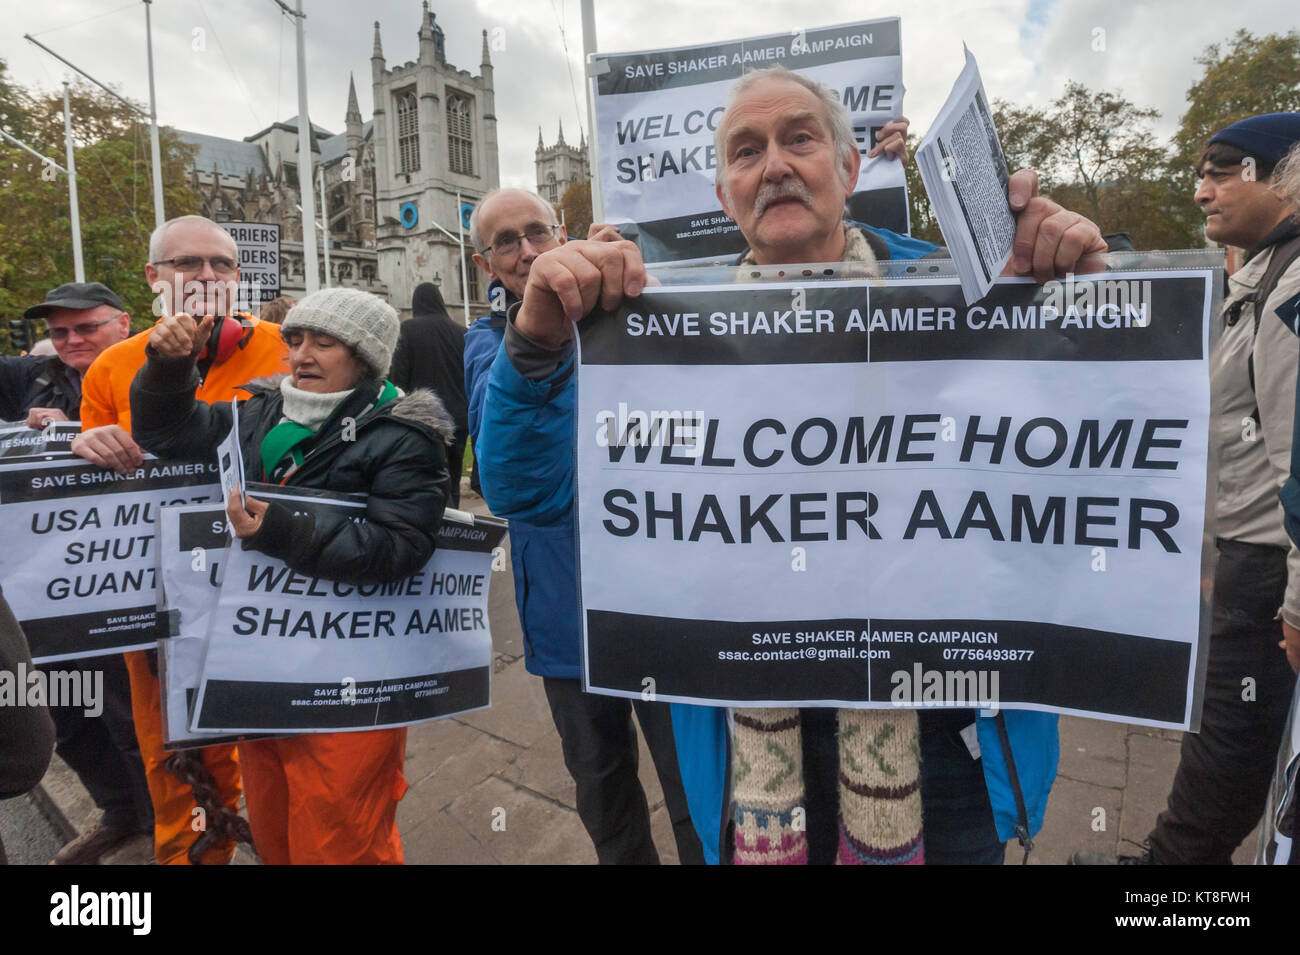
[(1050, 239), (995, 223), (245, 513), (892, 140), (565, 284)]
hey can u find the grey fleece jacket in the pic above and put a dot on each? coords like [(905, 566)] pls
[(1255, 459)]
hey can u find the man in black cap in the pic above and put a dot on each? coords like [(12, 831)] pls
[(1222, 779), (82, 318)]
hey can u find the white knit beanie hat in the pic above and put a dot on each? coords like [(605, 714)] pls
[(363, 321)]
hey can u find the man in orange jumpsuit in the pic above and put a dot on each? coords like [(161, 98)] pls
[(194, 265)]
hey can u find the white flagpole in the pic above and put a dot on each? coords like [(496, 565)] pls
[(78, 266), (460, 241), (155, 150), (588, 48), (325, 225), (311, 278)]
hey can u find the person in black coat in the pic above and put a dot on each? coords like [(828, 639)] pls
[(335, 424), (431, 354), (26, 732)]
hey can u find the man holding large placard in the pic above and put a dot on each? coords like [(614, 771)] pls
[(785, 171)]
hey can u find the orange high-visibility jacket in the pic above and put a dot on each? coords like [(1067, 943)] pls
[(105, 400)]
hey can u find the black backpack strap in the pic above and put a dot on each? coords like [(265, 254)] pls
[(1022, 829), (1283, 255)]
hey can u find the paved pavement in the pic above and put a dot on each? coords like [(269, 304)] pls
[(490, 787)]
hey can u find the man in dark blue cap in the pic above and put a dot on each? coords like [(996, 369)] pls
[(1223, 775), (82, 318)]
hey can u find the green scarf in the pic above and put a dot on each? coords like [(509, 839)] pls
[(287, 436)]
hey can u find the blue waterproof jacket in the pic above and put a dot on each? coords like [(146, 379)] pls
[(523, 437), (525, 460)]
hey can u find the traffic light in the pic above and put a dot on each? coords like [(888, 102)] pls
[(21, 334)]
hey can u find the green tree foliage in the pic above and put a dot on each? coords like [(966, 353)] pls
[(114, 190), (920, 213), (1251, 76), (1096, 153)]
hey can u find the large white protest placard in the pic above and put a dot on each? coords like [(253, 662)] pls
[(79, 567), (289, 653), (656, 112), (192, 542), (884, 497)]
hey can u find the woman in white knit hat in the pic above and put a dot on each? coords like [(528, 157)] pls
[(336, 424)]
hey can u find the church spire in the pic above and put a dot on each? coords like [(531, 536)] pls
[(354, 110), (487, 60), (378, 52), (560, 141)]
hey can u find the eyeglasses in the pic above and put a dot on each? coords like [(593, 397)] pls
[(84, 330), (508, 244), (194, 263)]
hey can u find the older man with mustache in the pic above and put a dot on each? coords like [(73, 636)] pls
[(787, 163)]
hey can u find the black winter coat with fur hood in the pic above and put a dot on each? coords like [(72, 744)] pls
[(395, 455)]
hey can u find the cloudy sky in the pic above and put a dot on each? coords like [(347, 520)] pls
[(243, 77)]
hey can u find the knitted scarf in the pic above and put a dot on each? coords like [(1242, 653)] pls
[(879, 768), (304, 413)]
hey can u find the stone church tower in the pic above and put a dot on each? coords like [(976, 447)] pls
[(435, 133), (559, 166)]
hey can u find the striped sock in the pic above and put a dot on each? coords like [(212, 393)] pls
[(767, 788), (880, 788)]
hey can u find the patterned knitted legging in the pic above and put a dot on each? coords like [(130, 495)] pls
[(879, 788)]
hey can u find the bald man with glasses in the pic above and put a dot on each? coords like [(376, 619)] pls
[(193, 268)]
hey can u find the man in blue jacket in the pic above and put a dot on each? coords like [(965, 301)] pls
[(784, 179), (509, 230)]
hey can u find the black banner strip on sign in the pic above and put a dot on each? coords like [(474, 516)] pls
[(1097, 320), (906, 322), (694, 66), (62, 481), (206, 529), (713, 235), (59, 636), (191, 742), (481, 538), (1039, 663), (271, 705)]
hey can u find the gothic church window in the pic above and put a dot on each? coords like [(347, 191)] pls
[(408, 132), (460, 139)]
